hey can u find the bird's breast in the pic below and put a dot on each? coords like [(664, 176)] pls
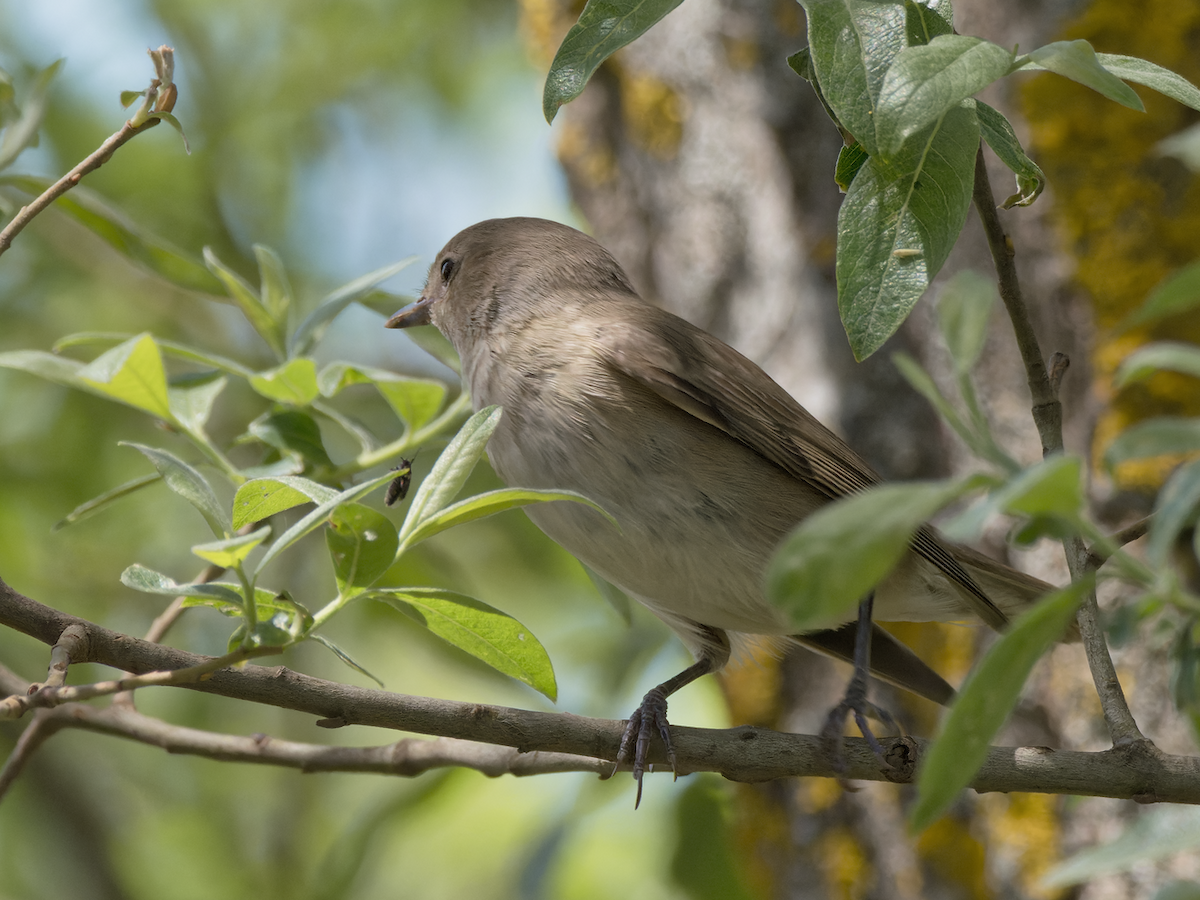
[(699, 512)]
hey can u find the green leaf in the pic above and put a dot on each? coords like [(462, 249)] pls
[(248, 301), (123, 235), (176, 124), (828, 564), (293, 431), (1155, 437), (1173, 356), (852, 43), (1051, 488), (188, 484), (415, 400), (356, 429), (294, 382), (275, 291), (267, 603), (964, 308), (920, 380), (278, 630), (999, 134), (436, 345), (923, 22), (1175, 508), (169, 348), (46, 365), (317, 517), (191, 398), (231, 551), (132, 373), (924, 83), (488, 504), (1141, 71), (148, 581), (316, 322), (1179, 293), (802, 64), (985, 701), (108, 497), (343, 656), (897, 225), (385, 302), (362, 542), (1155, 834), (1077, 60), (451, 470), (604, 27), (23, 132), (264, 497), (850, 159), (483, 631)]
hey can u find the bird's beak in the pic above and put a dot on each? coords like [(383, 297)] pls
[(413, 314)]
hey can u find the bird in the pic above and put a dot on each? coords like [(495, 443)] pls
[(705, 463)]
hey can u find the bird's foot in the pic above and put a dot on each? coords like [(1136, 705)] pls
[(647, 719), (855, 702)]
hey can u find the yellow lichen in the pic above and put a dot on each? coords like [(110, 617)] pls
[(751, 686), (814, 795), (653, 111), (1023, 831), (1129, 216), (949, 848), (592, 162), (542, 25), (844, 866)]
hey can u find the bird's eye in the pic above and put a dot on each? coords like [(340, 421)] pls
[(447, 268)]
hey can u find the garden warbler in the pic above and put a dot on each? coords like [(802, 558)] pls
[(704, 461)]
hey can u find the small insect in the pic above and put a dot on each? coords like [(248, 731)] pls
[(398, 489), (906, 253)]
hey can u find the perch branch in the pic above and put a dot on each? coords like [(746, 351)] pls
[(747, 753)]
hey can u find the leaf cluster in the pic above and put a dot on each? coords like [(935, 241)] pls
[(180, 386)]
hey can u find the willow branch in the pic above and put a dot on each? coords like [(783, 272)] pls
[(747, 753), (1047, 415), (159, 97)]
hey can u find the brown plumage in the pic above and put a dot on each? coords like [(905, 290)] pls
[(704, 460)]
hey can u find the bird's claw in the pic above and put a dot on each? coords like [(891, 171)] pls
[(855, 702), (647, 719)]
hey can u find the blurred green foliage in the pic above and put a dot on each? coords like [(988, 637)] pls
[(261, 89)]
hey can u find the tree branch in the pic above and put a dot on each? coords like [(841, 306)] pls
[(1047, 415), (741, 754), (158, 98)]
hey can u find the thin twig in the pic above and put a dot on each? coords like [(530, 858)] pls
[(34, 735), (159, 97), (72, 644), (48, 696), (1047, 415), (1098, 556)]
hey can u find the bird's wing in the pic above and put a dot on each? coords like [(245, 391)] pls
[(713, 382)]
